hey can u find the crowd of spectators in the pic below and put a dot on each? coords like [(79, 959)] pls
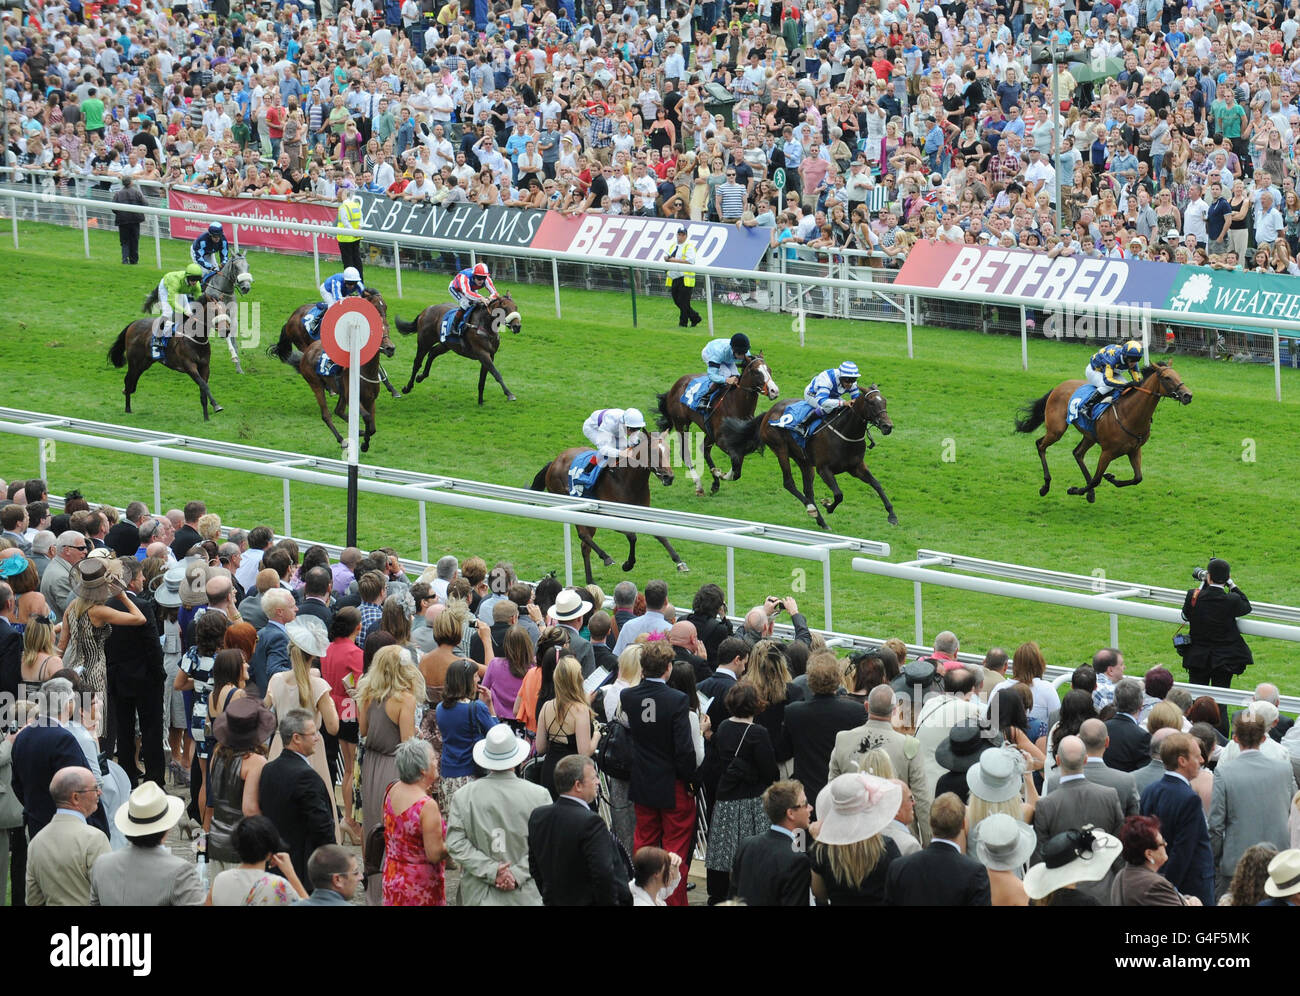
[(466, 698), (834, 125)]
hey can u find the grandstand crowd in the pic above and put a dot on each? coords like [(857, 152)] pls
[(492, 741), (838, 126)]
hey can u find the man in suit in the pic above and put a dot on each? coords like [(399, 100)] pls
[(958, 706), (1251, 801), (188, 534), (44, 748), (569, 608), (13, 524), (599, 626), (904, 752), (124, 537), (146, 873), (1155, 769), (663, 761), (941, 874), (292, 795), (733, 658), (70, 549), (572, 855), (335, 874), (272, 653), (687, 648), (43, 546), (811, 726), (250, 608), (135, 680), (11, 644), (1093, 734), (60, 857), (1130, 744), (316, 595), (772, 869), (1218, 651), (1190, 868), (1077, 802)]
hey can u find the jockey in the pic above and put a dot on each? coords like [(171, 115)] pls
[(1103, 370), (830, 388), (724, 358), (211, 250), (614, 432), (466, 288), (335, 289), (174, 292)]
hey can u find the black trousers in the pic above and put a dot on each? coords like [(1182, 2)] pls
[(128, 235), (1212, 676), (147, 705), (682, 298), (17, 865), (350, 252)]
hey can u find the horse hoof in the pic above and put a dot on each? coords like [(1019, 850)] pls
[(812, 510), (1042, 492), (607, 561), (629, 565), (893, 519), (826, 504), (714, 489), (511, 397), (682, 568), (1092, 497), (1109, 477), (407, 388), (699, 491), (1074, 491), (217, 409), (728, 476)]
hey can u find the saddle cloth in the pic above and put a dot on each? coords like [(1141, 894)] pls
[(1086, 422), (695, 392), (791, 418), (325, 367), (583, 474)]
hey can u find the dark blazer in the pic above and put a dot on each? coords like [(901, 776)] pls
[(699, 664), (939, 875), (186, 537), (39, 751), (293, 797), (580, 647), (605, 658), (661, 736), (768, 871), (1130, 745), (133, 653), (810, 730), (1212, 624), (572, 856), (11, 659), (124, 538), (250, 610), (271, 656), (312, 607), (716, 686), (1076, 804), (1190, 868), (711, 630)]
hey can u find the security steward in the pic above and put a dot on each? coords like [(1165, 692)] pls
[(1217, 652), (350, 217), (682, 282)]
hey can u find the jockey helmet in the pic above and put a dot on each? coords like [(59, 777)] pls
[(848, 370), (481, 270), (740, 344), (351, 276), (633, 419), (216, 229), (193, 271), (1132, 351)]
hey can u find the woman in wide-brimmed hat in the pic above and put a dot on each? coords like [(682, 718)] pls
[(88, 619), (1004, 846), (241, 731), (851, 856), (1071, 859)]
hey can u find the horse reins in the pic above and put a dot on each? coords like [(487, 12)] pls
[(866, 426), (1139, 389)]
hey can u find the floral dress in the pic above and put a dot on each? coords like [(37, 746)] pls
[(410, 878)]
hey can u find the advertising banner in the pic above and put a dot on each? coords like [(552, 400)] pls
[(495, 226), (635, 239), (251, 234)]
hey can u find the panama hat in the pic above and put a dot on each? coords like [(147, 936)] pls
[(1071, 857), (92, 580), (168, 592), (996, 778), (500, 750), (570, 605), (308, 635), (1004, 843), (855, 807), (1284, 874), (244, 725), (149, 810)]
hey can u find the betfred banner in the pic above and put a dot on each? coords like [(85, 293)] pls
[(495, 226), (1066, 281), (635, 239), (254, 210)]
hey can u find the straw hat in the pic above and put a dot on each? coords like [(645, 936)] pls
[(168, 592), (569, 606), (996, 778), (500, 750), (92, 580), (308, 634), (856, 807), (149, 810), (1004, 843), (1075, 856), (1284, 874), (244, 725)]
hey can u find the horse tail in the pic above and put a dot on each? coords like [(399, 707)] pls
[(539, 482), (663, 420), (1033, 415), (150, 300), (406, 328), (741, 437), (117, 351), (281, 348)]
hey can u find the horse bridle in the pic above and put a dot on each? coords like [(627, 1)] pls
[(866, 425), (1139, 389), (738, 385)]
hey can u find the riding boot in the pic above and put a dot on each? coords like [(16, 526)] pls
[(383, 378)]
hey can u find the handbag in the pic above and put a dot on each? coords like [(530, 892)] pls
[(614, 753), (1184, 640)]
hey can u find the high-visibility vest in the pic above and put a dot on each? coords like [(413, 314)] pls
[(350, 217), (681, 253)]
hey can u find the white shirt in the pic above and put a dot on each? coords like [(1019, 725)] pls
[(384, 176), (1194, 219), (440, 154)]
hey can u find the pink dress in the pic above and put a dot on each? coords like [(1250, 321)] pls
[(410, 878)]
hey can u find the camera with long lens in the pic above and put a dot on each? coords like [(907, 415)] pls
[(1200, 574)]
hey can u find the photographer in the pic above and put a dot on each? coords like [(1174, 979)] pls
[(1217, 651)]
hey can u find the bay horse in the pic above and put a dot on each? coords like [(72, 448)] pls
[(1122, 430), (629, 484), (189, 351), (307, 364), (293, 334), (221, 286), (736, 401), (479, 341), (839, 447)]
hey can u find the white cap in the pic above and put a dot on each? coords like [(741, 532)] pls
[(351, 276), (633, 419)]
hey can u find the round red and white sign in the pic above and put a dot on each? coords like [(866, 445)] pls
[(353, 319)]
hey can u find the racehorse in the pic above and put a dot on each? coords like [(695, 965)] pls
[(308, 364), (1122, 430), (188, 352), (736, 401), (629, 484), (221, 286), (479, 340), (838, 447), (293, 334)]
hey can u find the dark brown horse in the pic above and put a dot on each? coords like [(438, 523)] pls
[(1122, 430), (629, 484), (307, 364), (837, 448), (736, 401), (293, 334), (480, 340), (189, 350)]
